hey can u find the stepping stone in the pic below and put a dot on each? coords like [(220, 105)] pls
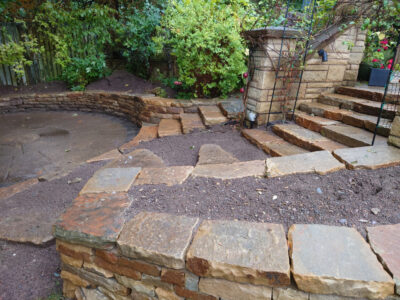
[(146, 133), (111, 180), (168, 127), (351, 136), (385, 242), (231, 171), (245, 252), (113, 154), (371, 157), (27, 227), (214, 154), (320, 162), (139, 158), (94, 220), (305, 138), (211, 115), (270, 143), (169, 175), (191, 122), (158, 238), (8, 191), (336, 260), (232, 109)]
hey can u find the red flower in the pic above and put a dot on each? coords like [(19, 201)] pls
[(375, 60), (245, 75), (385, 42), (385, 48), (242, 90), (382, 66), (389, 66), (379, 50), (390, 61), (177, 83)]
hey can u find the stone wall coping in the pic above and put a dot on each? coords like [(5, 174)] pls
[(273, 32)]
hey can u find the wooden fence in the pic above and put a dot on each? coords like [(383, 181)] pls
[(43, 67)]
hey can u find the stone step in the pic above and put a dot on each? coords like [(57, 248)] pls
[(315, 123), (191, 122), (305, 138), (168, 127), (364, 106), (232, 109), (271, 143), (212, 115), (367, 93), (351, 136)]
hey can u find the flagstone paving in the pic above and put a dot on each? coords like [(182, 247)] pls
[(320, 162), (372, 157), (113, 154), (191, 122), (169, 127), (111, 180), (93, 219), (139, 158), (214, 154), (385, 241), (240, 251), (8, 191), (158, 238), (211, 115), (168, 176), (336, 260), (231, 171), (146, 133)]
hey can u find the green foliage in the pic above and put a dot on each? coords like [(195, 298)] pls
[(16, 54), (81, 71), (204, 37), (135, 32)]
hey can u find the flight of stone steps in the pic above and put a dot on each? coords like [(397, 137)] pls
[(207, 116), (343, 119)]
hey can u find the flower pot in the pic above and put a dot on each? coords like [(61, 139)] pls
[(378, 77), (364, 71)]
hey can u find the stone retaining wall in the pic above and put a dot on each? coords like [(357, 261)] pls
[(394, 138), (106, 254), (137, 108), (345, 53)]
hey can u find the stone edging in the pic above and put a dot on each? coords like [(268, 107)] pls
[(106, 253), (137, 108)]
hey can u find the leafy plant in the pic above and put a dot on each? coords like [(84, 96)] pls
[(135, 32), (204, 37)]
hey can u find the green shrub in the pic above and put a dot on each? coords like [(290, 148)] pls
[(79, 72), (135, 32), (204, 37)]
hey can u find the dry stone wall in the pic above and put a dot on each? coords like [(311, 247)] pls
[(136, 108), (345, 53)]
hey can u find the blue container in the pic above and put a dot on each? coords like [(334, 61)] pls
[(378, 77)]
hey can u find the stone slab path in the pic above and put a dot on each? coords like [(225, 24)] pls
[(169, 127), (8, 191), (336, 260), (112, 154), (320, 162), (213, 154), (385, 241), (191, 122), (211, 115), (168, 176), (139, 158), (232, 109), (158, 238), (240, 251), (231, 171), (111, 180), (371, 157)]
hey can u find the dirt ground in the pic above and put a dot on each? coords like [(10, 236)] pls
[(119, 80)]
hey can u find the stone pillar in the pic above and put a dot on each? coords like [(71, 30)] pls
[(394, 138), (357, 36), (265, 59)]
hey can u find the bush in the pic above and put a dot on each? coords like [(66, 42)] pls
[(79, 72), (135, 32), (204, 37)]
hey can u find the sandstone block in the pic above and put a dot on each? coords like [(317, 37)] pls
[(192, 294), (240, 251), (136, 286), (191, 122), (212, 115), (336, 260), (163, 294), (168, 127), (168, 175), (158, 238), (289, 294), (336, 73), (214, 154)]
